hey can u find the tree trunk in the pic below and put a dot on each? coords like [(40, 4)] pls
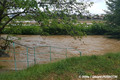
[(4, 43), (3, 54)]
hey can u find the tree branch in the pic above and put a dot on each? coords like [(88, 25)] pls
[(10, 20), (4, 3), (1, 3)]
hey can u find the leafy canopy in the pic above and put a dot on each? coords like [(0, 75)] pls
[(10, 9), (41, 10), (113, 13)]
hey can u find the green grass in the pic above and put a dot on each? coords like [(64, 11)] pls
[(71, 68)]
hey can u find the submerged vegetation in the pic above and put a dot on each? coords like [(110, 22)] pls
[(70, 68)]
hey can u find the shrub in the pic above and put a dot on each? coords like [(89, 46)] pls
[(12, 30), (25, 30), (55, 28), (97, 28), (32, 30)]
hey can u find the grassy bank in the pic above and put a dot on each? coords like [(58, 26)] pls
[(68, 69)]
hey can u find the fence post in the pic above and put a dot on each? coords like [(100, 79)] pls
[(80, 53), (50, 54), (14, 56), (34, 56), (27, 58), (66, 52)]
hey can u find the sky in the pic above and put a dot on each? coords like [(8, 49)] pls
[(98, 7)]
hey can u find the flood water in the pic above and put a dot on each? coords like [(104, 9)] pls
[(89, 45)]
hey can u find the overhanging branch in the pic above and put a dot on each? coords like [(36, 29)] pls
[(10, 20), (1, 3)]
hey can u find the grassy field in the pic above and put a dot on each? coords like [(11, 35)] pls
[(69, 69)]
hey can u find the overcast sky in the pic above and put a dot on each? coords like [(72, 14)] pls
[(98, 7)]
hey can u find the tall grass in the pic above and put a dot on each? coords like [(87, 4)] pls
[(71, 68)]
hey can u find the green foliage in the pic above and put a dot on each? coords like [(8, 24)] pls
[(26, 30), (107, 64), (32, 30), (98, 28), (53, 28), (113, 17), (42, 12), (58, 28), (94, 28), (10, 9), (114, 31)]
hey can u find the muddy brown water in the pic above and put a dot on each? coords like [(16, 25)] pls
[(89, 45)]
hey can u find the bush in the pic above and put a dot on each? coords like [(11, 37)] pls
[(12, 30), (114, 31), (31, 30), (56, 28), (24, 30), (97, 28)]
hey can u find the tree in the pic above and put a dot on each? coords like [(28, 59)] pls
[(41, 10), (113, 18), (113, 13), (10, 9)]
